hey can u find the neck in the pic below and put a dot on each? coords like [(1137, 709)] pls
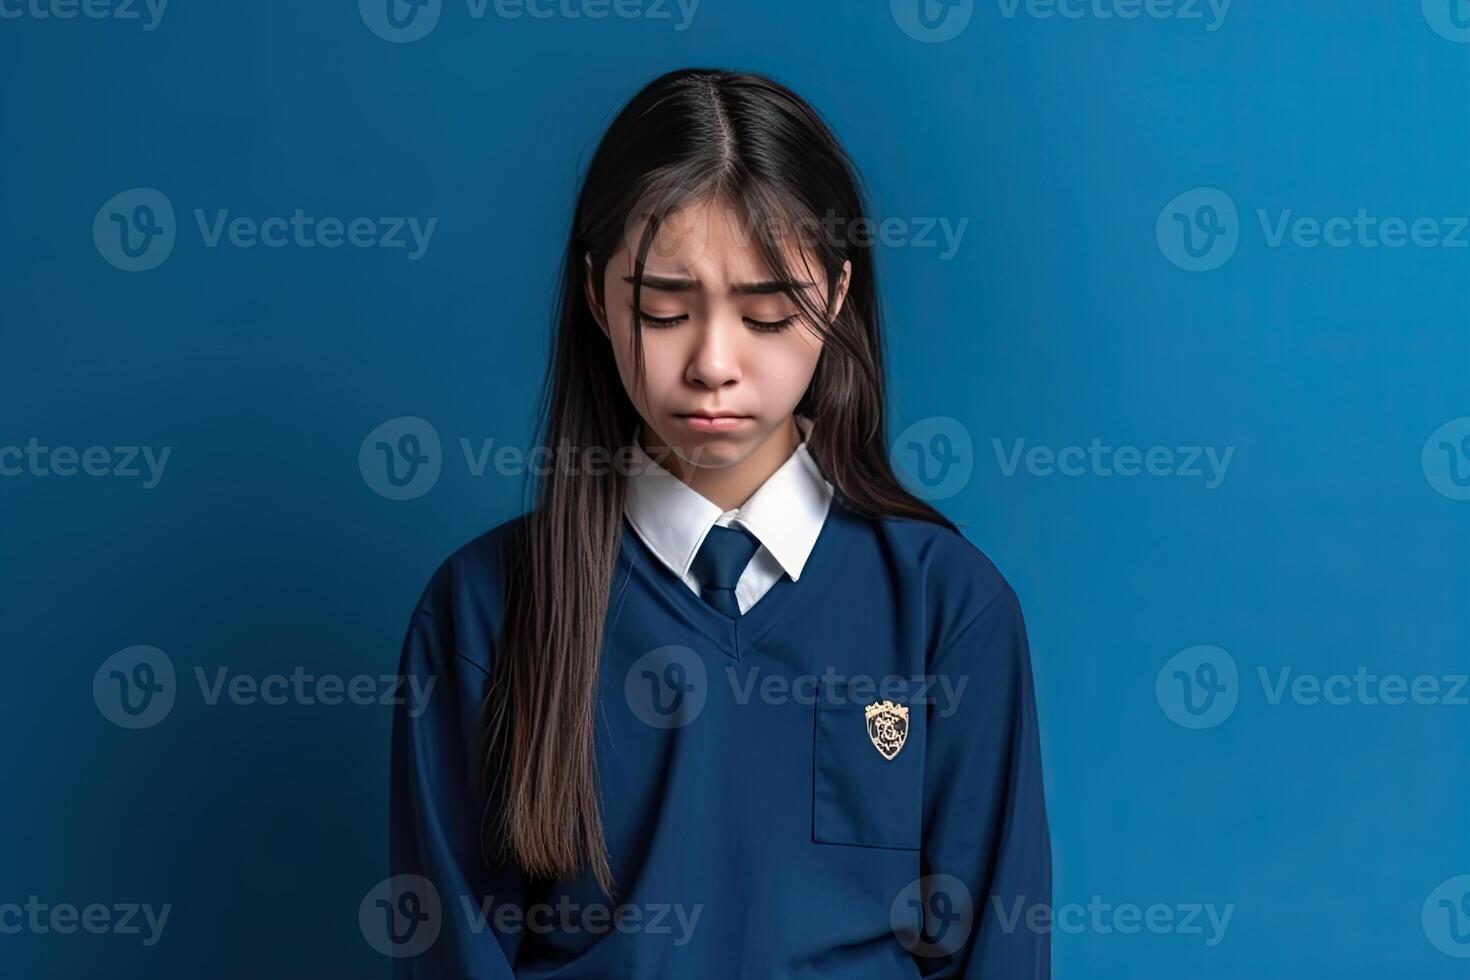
[(730, 486)]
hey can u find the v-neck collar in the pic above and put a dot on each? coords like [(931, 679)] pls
[(732, 634)]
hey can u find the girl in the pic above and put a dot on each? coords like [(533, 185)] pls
[(727, 701)]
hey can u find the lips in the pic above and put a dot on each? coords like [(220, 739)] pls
[(713, 421)]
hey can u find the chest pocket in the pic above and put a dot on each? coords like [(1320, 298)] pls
[(868, 760)]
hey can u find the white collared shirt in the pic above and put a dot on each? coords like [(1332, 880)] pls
[(785, 514)]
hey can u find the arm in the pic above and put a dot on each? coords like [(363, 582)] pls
[(435, 815), (985, 827)]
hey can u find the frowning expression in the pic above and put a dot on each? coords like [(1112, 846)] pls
[(727, 352)]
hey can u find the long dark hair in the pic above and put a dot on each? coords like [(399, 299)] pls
[(693, 135)]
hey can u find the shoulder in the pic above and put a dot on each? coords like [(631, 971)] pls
[(956, 581), (460, 609), (484, 557)]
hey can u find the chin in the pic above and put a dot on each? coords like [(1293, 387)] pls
[(714, 452)]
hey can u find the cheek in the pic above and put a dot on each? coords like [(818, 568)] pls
[(664, 359), (664, 362), (788, 365)]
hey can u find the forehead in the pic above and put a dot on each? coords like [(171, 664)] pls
[(716, 243)]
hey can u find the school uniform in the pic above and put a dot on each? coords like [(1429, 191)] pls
[(816, 744)]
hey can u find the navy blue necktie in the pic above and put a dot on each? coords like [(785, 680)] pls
[(718, 565)]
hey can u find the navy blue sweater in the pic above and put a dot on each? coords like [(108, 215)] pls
[(844, 782)]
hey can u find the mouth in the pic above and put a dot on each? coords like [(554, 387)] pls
[(714, 421)]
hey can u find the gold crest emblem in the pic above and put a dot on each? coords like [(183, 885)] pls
[(888, 727)]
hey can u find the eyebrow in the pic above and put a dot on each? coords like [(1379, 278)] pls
[(679, 285)]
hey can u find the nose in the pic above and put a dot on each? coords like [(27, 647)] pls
[(714, 360)]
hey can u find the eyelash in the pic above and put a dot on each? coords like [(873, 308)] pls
[(759, 326)]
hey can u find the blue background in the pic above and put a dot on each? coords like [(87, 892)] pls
[(264, 548)]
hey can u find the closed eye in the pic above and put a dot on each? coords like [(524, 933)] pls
[(660, 322), (771, 326), (760, 326)]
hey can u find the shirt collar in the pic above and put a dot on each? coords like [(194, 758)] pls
[(785, 513)]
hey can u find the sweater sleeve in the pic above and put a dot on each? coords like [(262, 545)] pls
[(435, 815), (986, 851)]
